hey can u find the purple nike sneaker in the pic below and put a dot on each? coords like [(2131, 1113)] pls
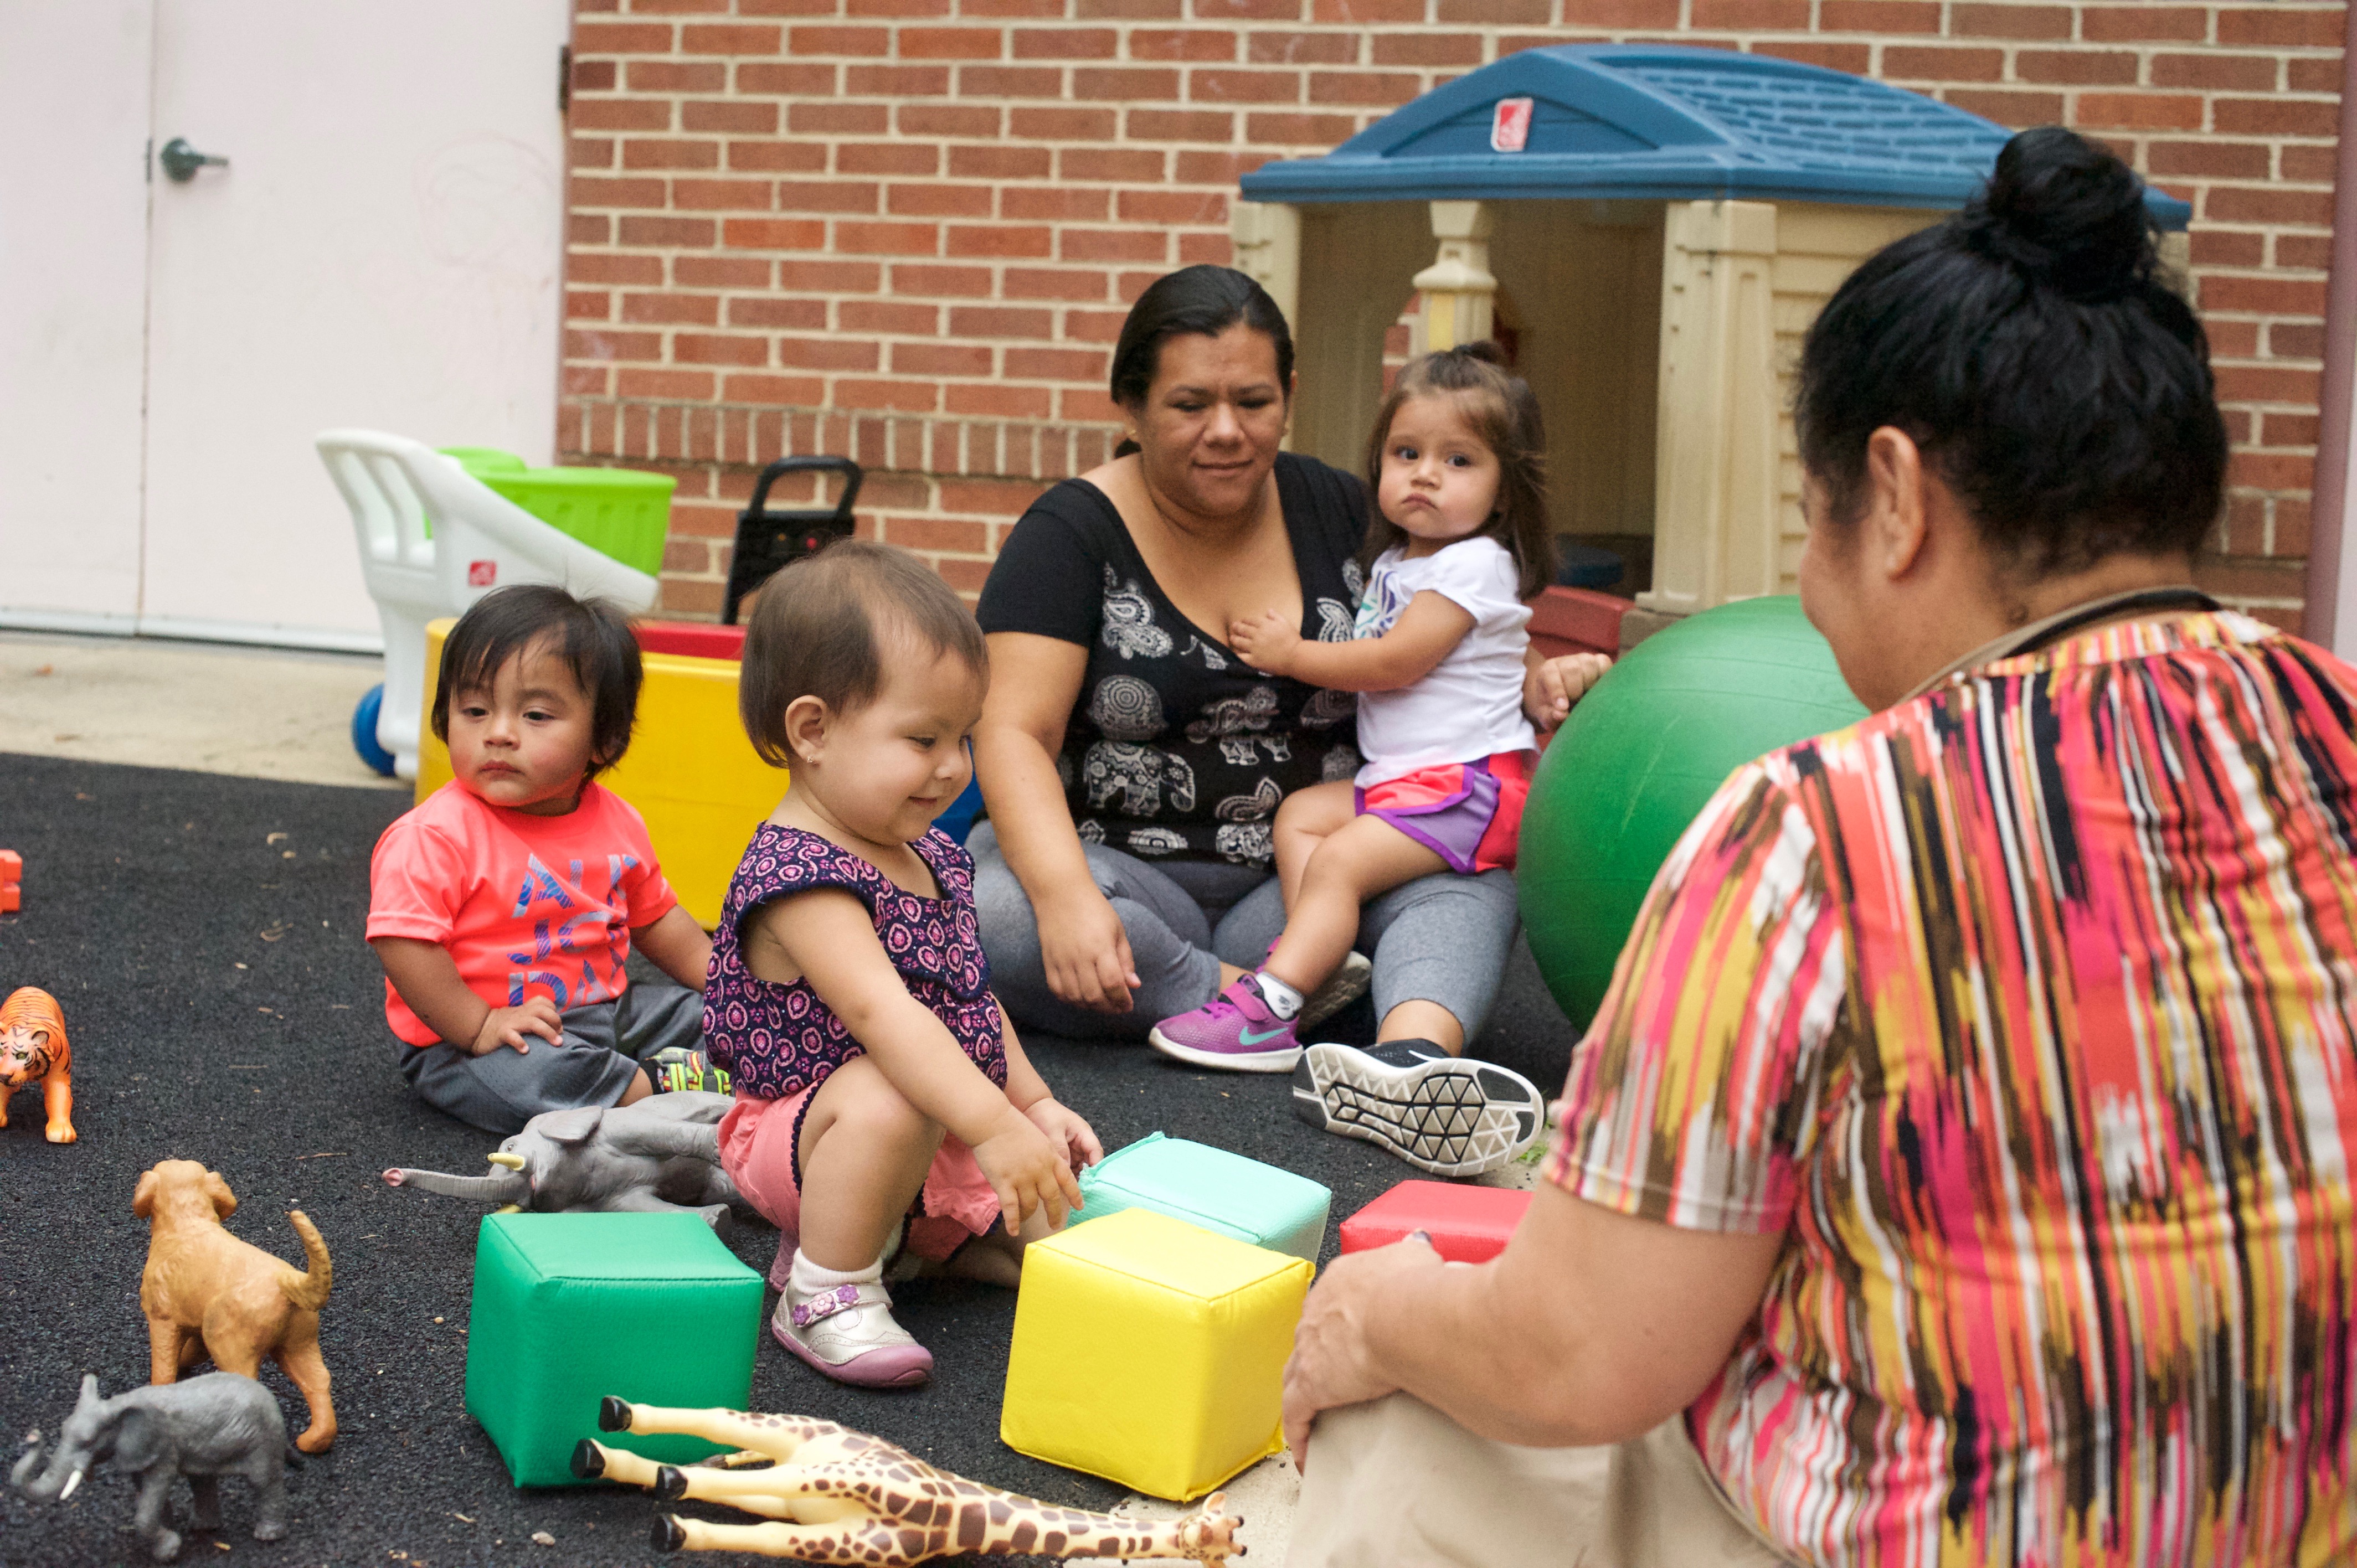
[(1233, 1030)]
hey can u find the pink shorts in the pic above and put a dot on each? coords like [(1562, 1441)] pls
[(1469, 813), (757, 1149)]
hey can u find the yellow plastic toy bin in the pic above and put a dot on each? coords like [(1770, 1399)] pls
[(690, 771)]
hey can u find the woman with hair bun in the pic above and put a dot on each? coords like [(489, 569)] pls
[(1958, 1170)]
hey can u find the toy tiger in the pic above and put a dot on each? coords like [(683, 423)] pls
[(33, 1049)]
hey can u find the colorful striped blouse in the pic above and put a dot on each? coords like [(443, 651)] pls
[(2026, 1009)]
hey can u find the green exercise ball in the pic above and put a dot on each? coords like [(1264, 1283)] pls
[(1640, 755)]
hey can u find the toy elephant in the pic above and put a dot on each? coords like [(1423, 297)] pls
[(659, 1156), (219, 1425)]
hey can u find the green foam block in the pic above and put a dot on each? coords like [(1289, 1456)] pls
[(571, 1307), (1221, 1192)]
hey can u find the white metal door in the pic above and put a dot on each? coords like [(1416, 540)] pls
[(73, 299), (383, 249)]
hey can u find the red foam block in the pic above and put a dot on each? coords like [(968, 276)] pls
[(1467, 1224), (694, 638)]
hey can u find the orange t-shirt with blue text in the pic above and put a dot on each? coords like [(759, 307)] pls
[(527, 906)]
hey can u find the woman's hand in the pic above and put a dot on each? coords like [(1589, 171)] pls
[(1028, 1171), (1087, 951), (1066, 1129), (1265, 642), (1552, 685), (1332, 1364)]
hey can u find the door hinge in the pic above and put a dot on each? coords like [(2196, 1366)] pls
[(565, 78)]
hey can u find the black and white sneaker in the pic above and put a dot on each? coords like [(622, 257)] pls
[(1438, 1112)]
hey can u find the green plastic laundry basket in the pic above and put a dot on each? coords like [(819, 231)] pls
[(481, 460), (614, 511)]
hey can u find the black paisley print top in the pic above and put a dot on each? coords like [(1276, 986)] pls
[(1176, 749), (778, 1040)]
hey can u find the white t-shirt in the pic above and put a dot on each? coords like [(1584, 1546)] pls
[(1470, 706)]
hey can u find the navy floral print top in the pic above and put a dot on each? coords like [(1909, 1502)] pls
[(778, 1040)]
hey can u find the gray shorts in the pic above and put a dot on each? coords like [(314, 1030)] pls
[(604, 1042)]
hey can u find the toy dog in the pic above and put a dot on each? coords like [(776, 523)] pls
[(219, 1425), (843, 1497), (659, 1156), (207, 1294), (33, 1049)]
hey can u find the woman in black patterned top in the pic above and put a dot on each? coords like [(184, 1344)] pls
[(1133, 764)]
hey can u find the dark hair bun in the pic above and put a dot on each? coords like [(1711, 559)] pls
[(2067, 213)]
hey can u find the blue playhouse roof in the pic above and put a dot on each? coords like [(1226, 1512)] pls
[(1660, 122)]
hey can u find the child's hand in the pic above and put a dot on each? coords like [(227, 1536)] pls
[(1550, 687), (509, 1025), (1066, 1131), (1265, 642), (1028, 1171)]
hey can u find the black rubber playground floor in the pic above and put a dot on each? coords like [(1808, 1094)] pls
[(203, 936)]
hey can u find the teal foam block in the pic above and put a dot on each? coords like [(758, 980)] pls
[(571, 1307), (1221, 1192)]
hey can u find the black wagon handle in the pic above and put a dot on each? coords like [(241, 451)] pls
[(784, 465), (768, 539)]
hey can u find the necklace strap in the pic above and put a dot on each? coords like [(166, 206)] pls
[(2043, 634)]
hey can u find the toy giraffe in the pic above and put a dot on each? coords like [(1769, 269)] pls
[(842, 1497)]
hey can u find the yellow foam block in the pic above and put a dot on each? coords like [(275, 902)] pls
[(690, 771), (1151, 1352)]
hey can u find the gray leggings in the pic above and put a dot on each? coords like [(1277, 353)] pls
[(1441, 939)]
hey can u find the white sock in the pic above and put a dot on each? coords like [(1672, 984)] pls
[(1282, 999), (809, 1279)]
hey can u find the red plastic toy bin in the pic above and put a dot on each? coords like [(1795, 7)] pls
[(1467, 1224)]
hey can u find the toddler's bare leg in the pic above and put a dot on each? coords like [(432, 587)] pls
[(1367, 857), (1307, 820), (864, 1151)]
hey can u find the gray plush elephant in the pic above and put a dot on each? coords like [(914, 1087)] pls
[(661, 1156), (203, 1428)]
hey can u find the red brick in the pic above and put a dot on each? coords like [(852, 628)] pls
[(620, 115), (999, 401), (1066, 43), (1855, 58), (2292, 524), (1010, 81), (1324, 48), (2214, 160), (2317, 165), (732, 114), (1751, 15), (586, 153), (2076, 67), (776, 234), (952, 43), (2311, 251), (606, 345), (1056, 364), (592, 267), (1001, 162), (1112, 245), (1125, 10), (940, 359), (2041, 23), (2274, 117), (721, 272), (2138, 24), (621, 37), (775, 391), (2311, 75), (730, 38), (1062, 124), (587, 305), (721, 195), (2283, 26), (688, 386), (779, 157), (674, 231), (1215, 249), (896, 81), (866, 42), (1173, 206), (701, 348), (947, 119), (2014, 108), (587, 228), (2226, 248), (2233, 339), (1383, 90), (828, 195), (1414, 48), (913, 396), (938, 533), (2268, 383), (1086, 406), (886, 157), (2246, 204), (886, 238), (1247, 10), (1040, 283), (2139, 112), (787, 315), (636, 154), (938, 201), (1510, 13), (1132, 166), (989, 498), (1217, 168), (968, 282), (830, 277), (1299, 130), (2252, 579), (999, 321), (1056, 201), (595, 75), (1362, 13), (1182, 44), (1180, 125), (827, 354), (2238, 73), (1125, 84), (837, 118), (1869, 17), (797, 78), (999, 240), (2282, 429), (2270, 472), (912, 8), (1919, 62), (1215, 86), (677, 76), (589, 191), (691, 309), (888, 315)]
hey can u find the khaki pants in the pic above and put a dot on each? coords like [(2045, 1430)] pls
[(1397, 1482)]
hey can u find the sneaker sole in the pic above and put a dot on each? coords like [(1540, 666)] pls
[(1344, 986), (1225, 1061), (1450, 1117)]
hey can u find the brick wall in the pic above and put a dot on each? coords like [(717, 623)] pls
[(906, 229)]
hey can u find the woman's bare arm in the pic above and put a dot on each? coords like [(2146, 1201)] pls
[(1427, 631)]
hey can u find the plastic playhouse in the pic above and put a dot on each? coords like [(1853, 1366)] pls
[(1650, 229), (438, 530)]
